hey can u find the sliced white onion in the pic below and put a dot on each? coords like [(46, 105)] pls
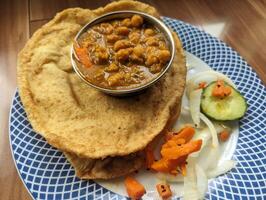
[(194, 105), (190, 182), (207, 76), (221, 127), (170, 178), (151, 195), (204, 135), (209, 157), (202, 181), (185, 110), (222, 168), (210, 125)]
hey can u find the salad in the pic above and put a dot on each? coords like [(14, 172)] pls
[(190, 155)]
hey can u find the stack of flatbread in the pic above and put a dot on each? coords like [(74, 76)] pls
[(102, 136)]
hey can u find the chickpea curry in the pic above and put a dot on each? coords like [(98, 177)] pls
[(122, 53)]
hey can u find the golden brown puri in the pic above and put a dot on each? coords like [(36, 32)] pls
[(77, 118), (110, 167)]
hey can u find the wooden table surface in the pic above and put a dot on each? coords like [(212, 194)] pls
[(241, 24)]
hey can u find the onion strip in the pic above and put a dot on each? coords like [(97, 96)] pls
[(203, 135), (202, 181), (210, 125), (190, 182), (194, 106), (222, 168)]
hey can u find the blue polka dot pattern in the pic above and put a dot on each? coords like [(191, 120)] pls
[(47, 174)]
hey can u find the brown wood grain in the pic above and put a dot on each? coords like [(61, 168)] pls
[(35, 25), (241, 24), (14, 33), (244, 21)]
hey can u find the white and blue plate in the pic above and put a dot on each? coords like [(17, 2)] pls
[(47, 174)]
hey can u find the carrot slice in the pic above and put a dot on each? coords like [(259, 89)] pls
[(202, 85), (168, 165), (175, 151), (179, 138), (83, 56), (149, 157), (161, 165), (134, 189), (221, 90), (224, 135), (164, 191), (186, 149), (186, 133)]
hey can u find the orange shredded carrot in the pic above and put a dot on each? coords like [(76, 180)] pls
[(224, 135), (83, 56), (221, 90), (186, 133), (179, 138), (183, 150), (202, 85), (164, 191), (175, 151), (134, 189), (175, 156), (174, 163), (149, 157), (161, 165), (167, 165)]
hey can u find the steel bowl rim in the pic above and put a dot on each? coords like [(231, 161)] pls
[(156, 21)]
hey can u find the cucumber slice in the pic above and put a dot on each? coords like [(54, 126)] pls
[(231, 107)]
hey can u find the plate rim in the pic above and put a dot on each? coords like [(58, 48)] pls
[(10, 144)]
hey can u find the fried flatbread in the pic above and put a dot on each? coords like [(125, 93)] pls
[(113, 167), (110, 167), (79, 119)]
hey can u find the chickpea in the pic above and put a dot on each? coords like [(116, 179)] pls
[(108, 28), (155, 68), (162, 45), (164, 56), (115, 79), (99, 75), (136, 20), (136, 59), (127, 77), (112, 38), (122, 30), (152, 41), (121, 44), (104, 28), (112, 68), (115, 24), (101, 55), (151, 59), (151, 50), (138, 54), (134, 37), (126, 22), (139, 50), (149, 32), (123, 54)]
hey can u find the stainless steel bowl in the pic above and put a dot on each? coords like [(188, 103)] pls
[(123, 14)]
